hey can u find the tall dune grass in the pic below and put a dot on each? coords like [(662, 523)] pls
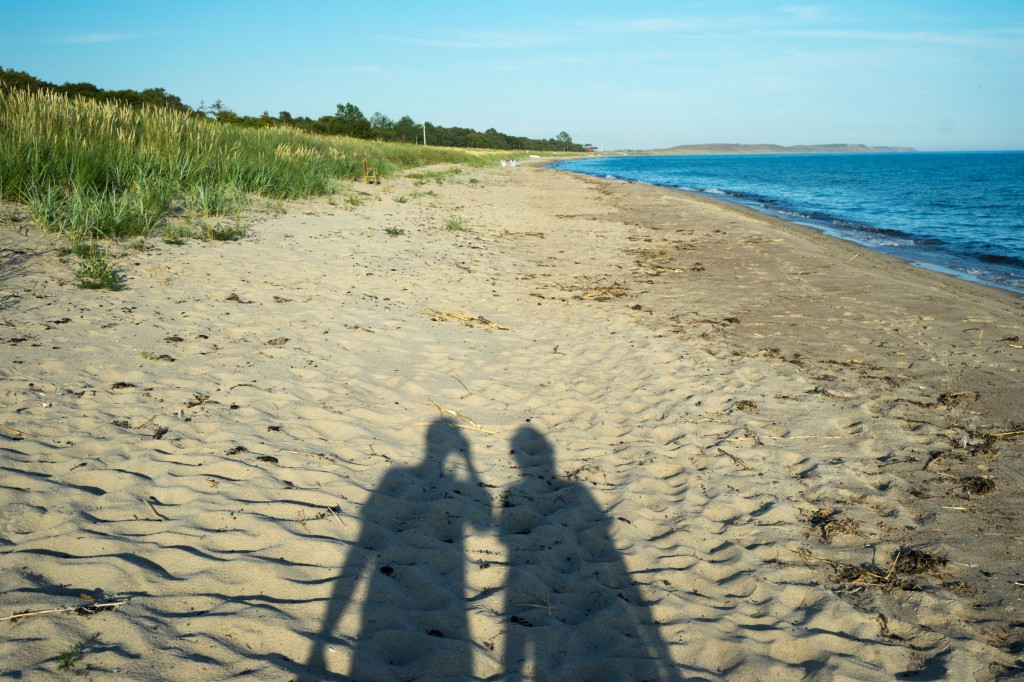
[(91, 169)]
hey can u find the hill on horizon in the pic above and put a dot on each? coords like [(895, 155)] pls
[(725, 148)]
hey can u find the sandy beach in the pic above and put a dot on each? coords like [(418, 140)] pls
[(601, 431)]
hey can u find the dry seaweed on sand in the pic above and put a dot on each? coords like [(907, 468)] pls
[(850, 579), (468, 320), (607, 293), (916, 562), (977, 485), (910, 562), (830, 525)]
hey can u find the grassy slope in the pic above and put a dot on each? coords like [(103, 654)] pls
[(88, 169)]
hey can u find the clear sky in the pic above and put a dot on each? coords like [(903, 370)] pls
[(931, 74)]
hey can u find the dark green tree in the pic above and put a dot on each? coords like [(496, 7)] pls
[(407, 130), (348, 120)]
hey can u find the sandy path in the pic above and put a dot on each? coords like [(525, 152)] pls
[(658, 445)]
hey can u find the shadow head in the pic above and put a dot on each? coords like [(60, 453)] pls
[(532, 450)]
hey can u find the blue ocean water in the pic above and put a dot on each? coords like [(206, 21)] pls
[(960, 213)]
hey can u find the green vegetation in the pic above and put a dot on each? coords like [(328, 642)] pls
[(95, 272), (90, 164), (177, 234), (456, 225), (223, 233), (438, 176), (394, 231), (347, 120), (89, 169), (19, 80), (69, 658)]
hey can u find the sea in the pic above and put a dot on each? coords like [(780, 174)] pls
[(961, 213)]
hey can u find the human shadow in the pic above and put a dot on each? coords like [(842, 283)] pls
[(572, 610), (413, 624)]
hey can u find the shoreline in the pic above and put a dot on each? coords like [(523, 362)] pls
[(767, 451), (929, 285), (980, 268)]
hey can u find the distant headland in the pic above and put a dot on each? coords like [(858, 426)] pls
[(723, 148)]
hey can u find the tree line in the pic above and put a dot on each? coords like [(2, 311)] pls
[(347, 120)]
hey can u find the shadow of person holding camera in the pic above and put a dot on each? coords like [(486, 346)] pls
[(410, 549)]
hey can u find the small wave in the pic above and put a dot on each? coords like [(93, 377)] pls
[(885, 231), (1000, 259)]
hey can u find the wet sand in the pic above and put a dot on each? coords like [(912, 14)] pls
[(606, 430)]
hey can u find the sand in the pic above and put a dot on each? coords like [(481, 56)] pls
[(608, 432)]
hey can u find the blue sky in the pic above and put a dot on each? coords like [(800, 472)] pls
[(932, 74)]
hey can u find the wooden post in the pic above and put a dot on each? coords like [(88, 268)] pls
[(424, 133)]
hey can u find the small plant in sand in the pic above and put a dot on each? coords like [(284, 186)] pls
[(177, 233), (220, 232), (224, 233), (419, 194), (438, 176), (70, 657), (96, 273), (456, 225), (394, 231), (276, 207)]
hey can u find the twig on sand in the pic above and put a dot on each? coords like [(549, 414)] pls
[(158, 515), (464, 319), (317, 455), (15, 432), (80, 610), (546, 605), (736, 460), (468, 392), (462, 421), (337, 516)]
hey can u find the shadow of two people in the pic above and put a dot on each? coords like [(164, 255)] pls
[(571, 610)]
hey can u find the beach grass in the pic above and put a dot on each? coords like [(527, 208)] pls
[(456, 224), (89, 169)]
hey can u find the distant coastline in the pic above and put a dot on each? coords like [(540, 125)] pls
[(724, 148)]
